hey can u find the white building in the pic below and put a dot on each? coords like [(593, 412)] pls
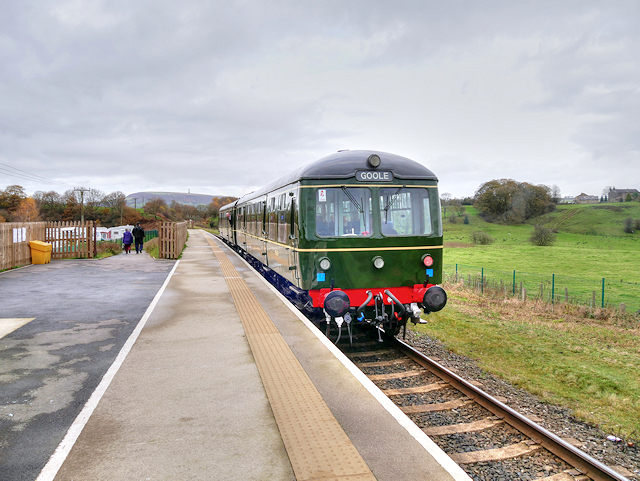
[(112, 233)]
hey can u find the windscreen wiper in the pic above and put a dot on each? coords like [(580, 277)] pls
[(353, 200), (393, 198)]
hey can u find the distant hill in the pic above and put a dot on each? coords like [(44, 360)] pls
[(181, 198)]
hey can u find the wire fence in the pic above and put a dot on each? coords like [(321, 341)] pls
[(550, 288)]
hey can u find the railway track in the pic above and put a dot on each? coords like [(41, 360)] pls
[(486, 437)]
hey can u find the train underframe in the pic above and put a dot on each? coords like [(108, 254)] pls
[(388, 309)]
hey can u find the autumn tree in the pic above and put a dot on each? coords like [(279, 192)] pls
[(50, 205), (11, 197), (71, 201), (27, 211), (217, 202), (156, 206)]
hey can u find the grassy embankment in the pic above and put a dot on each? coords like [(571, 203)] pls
[(585, 359)]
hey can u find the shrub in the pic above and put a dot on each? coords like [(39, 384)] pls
[(482, 238), (542, 236), (628, 225), (152, 248), (108, 248), (453, 218)]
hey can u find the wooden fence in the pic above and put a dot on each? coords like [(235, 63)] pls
[(172, 237), (14, 242), (69, 240), (72, 240)]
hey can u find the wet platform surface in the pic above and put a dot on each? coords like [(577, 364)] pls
[(191, 400)]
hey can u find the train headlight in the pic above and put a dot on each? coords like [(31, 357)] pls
[(434, 299), (378, 262), (427, 260), (374, 160), (337, 303), (325, 264)]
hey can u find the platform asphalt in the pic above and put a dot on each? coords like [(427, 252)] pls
[(64, 323), (188, 402)]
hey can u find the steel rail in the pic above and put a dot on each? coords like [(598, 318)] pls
[(565, 451)]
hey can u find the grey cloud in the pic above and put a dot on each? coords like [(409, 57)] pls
[(122, 92)]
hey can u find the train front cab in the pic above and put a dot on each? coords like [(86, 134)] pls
[(373, 251)]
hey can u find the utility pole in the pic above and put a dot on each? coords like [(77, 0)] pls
[(82, 190), (135, 203)]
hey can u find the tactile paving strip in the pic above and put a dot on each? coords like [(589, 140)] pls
[(317, 446)]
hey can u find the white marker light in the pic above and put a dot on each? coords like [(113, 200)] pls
[(325, 264)]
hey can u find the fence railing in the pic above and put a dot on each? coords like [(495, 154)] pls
[(172, 236), (551, 288), (72, 240), (14, 242), (69, 240)]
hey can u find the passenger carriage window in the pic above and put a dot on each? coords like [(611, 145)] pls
[(252, 219), (343, 211), (405, 211), (272, 216), (283, 224)]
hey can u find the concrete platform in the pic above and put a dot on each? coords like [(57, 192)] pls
[(188, 401)]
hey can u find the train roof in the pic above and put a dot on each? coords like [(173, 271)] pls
[(344, 164)]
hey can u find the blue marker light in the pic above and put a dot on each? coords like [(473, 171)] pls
[(430, 272), (320, 277)]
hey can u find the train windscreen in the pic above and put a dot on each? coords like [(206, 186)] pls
[(343, 211), (405, 211)]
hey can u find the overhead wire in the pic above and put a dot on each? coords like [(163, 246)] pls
[(22, 174)]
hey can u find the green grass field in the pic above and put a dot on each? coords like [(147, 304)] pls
[(591, 245), (575, 356), (588, 365)]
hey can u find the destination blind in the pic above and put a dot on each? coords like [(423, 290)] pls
[(374, 176)]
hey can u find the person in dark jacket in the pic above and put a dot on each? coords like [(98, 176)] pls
[(127, 240), (138, 234)]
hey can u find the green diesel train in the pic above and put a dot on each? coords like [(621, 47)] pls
[(353, 237)]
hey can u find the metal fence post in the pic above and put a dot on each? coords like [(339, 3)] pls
[(553, 288), (602, 293), (482, 281)]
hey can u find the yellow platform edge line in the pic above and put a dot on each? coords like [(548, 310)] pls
[(317, 446)]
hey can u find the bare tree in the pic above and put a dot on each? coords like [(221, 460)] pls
[(156, 206), (116, 201), (445, 201)]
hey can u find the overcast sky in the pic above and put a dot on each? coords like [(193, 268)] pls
[(222, 97)]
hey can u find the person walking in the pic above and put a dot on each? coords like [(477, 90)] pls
[(127, 240), (138, 234)]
